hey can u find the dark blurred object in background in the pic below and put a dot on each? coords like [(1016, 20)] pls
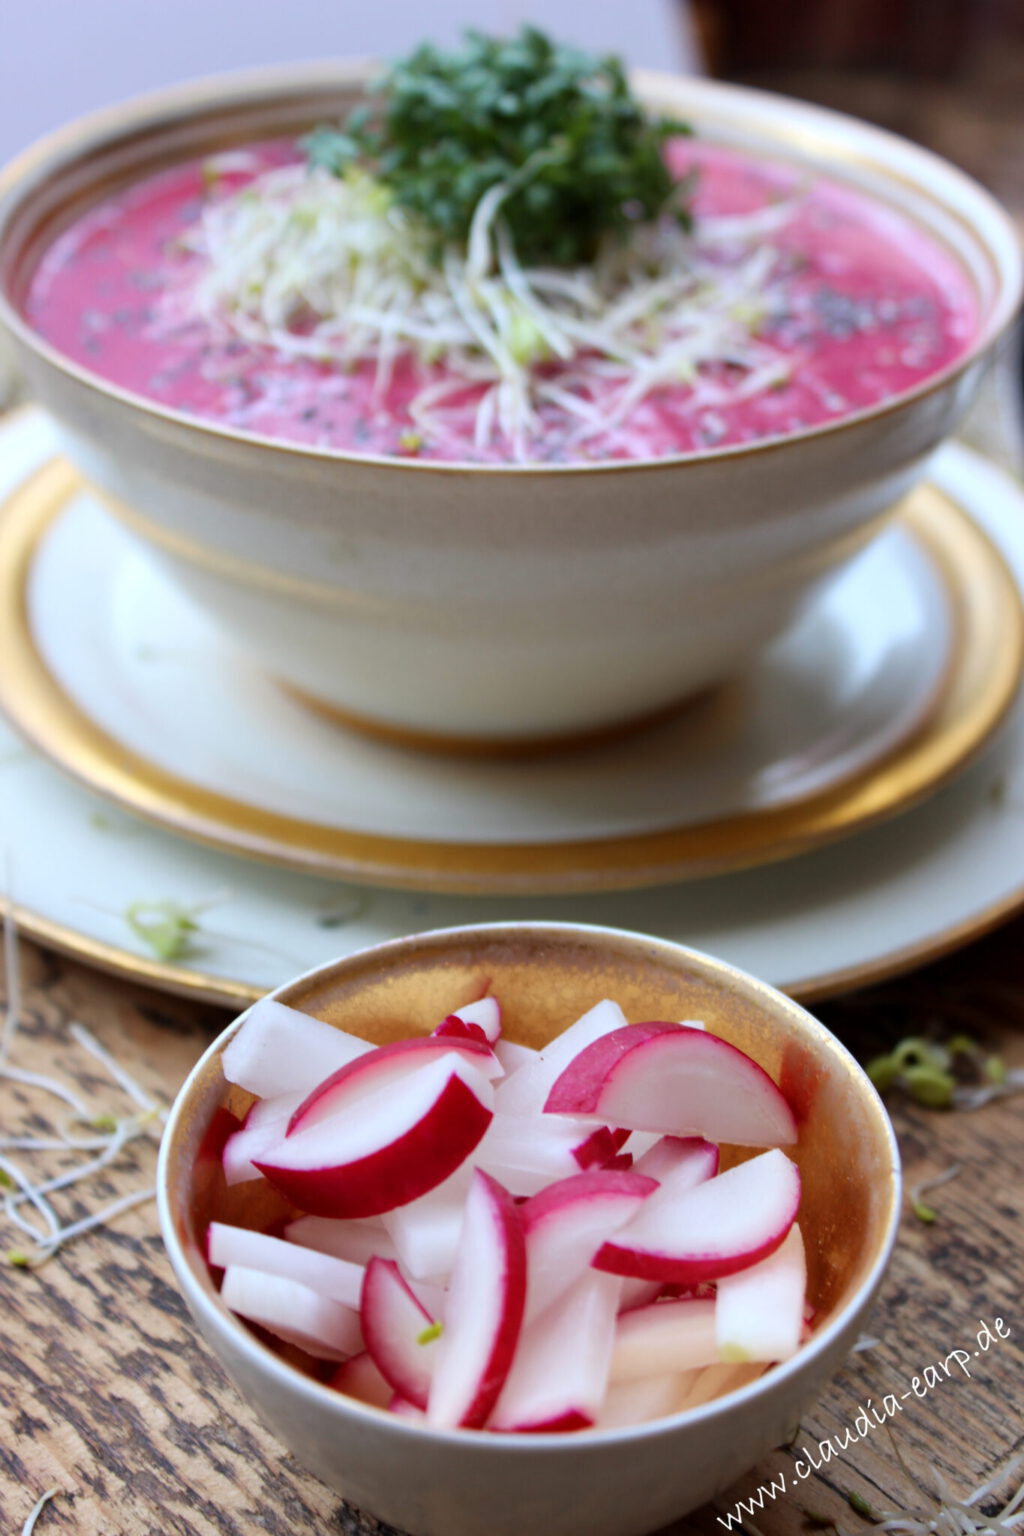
[(935, 39), (947, 73)]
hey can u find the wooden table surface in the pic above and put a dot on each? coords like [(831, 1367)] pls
[(108, 1396)]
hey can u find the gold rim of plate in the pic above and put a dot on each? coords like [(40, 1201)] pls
[(985, 668)]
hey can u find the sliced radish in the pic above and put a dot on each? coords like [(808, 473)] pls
[(638, 1293), (264, 1125), (713, 1229), (387, 1149), (277, 1049), (358, 1377), (399, 1331), (293, 1312), (403, 1409), (512, 1055), (524, 1092), (560, 1371), (715, 1380), (485, 1013), (680, 1081), (526, 1154), (566, 1223), (759, 1313), (385, 1068), (644, 1398), (666, 1336), (356, 1241), (426, 1232), (679, 1161), (335, 1278), (484, 1311)]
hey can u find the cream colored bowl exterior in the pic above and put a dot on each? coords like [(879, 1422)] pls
[(624, 1482), (498, 601)]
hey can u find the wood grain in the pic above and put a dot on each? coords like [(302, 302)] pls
[(107, 1394)]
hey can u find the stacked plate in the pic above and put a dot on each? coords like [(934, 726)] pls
[(852, 805)]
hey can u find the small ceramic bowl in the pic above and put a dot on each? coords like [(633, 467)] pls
[(620, 1482), (493, 603)]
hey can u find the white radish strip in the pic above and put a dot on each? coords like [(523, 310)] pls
[(718, 1227), (666, 1336), (335, 1278), (759, 1313), (648, 1397), (715, 1381), (360, 1378), (683, 1082), (567, 1223), (264, 1126), (524, 1091), (560, 1371), (484, 1312), (511, 1055), (402, 1142), (399, 1331), (426, 1232), (277, 1049), (403, 1409), (527, 1154), (356, 1241), (292, 1312)]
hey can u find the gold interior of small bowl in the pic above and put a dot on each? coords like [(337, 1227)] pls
[(545, 976)]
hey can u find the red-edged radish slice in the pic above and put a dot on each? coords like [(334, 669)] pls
[(264, 1125), (426, 1232), (388, 1148), (679, 1161), (484, 1311), (759, 1313), (356, 1241), (291, 1311), (638, 1293), (680, 1081), (524, 1092), (403, 1409), (399, 1331), (666, 1336), (385, 1068), (560, 1371), (713, 1229), (358, 1377), (277, 1049), (485, 1013), (334, 1278), (566, 1223), (645, 1398)]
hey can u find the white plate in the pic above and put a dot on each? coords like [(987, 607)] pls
[(877, 903), (877, 694)]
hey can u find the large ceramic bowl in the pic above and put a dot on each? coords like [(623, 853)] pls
[(592, 1483), (493, 602)]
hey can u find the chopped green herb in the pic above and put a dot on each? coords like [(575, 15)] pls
[(19, 1258), (6, 1182), (559, 130), (922, 1210), (860, 1506), (165, 926), (429, 1334)]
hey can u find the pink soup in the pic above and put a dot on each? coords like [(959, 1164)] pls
[(865, 306)]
